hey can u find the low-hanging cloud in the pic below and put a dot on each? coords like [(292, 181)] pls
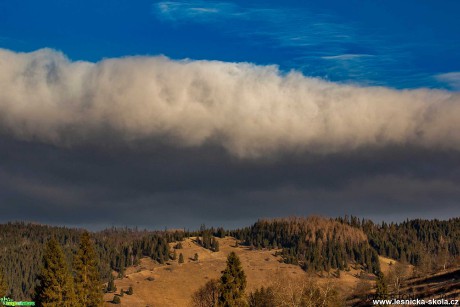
[(249, 110)]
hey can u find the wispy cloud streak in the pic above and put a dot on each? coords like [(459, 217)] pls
[(317, 43), (194, 11), (288, 27)]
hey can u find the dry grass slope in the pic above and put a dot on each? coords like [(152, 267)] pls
[(172, 284)]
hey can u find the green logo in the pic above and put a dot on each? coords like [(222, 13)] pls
[(6, 301)]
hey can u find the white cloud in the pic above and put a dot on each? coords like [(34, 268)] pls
[(250, 110), (193, 11), (346, 56), (451, 78), (286, 27)]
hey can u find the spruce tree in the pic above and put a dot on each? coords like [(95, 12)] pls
[(116, 300), (263, 297), (111, 287), (215, 245), (381, 285), (3, 286), (233, 283), (86, 274), (55, 287)]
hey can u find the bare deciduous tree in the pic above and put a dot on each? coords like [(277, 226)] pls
[(206, 296)]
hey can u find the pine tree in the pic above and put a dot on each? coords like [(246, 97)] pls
[(233, 283), (121, 272), (55, 281), (181, 258), (263, 297), (215, 245), (130, 291), (87, 281), (3, 286), (116, 300), (382, 290), (111, 287)]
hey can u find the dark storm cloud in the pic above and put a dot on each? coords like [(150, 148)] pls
[(154, 142), (175, 187)]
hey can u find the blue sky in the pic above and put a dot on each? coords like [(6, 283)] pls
[(93, 119), (400, 44)]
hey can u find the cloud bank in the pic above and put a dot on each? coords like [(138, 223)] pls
[(451, 78), (247, 109)]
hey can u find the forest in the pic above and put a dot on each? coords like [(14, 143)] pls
[(313, 243)]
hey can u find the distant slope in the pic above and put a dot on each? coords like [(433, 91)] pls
[(22, 247), (315, 243), (173, 284), (430, 244)]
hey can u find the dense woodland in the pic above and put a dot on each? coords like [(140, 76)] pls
[(316, 244), (427, 244), (21, 255)]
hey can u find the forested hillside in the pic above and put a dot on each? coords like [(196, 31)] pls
[(427, 244), (23, 244), (314, 243)]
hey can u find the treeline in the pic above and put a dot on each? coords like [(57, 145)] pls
[(314, 243), (22, 248), (427, 244), (60, 283), (21, 254), (206, 237)]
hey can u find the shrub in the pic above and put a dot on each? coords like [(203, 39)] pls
[(116, 300)]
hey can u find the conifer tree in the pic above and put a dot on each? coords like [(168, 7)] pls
[(263, 297), (3, 286), (233, 283), (116, 300), (215, 245), (382, 289), (55, 281), (181, 258), (86, 274), (111, 287)]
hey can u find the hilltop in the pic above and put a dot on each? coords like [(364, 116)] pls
[(172, 284)]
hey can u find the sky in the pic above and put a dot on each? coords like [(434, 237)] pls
[(177, 113)]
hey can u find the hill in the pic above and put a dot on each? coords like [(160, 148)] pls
[(346, 251), (314, 243), (172, 284)]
